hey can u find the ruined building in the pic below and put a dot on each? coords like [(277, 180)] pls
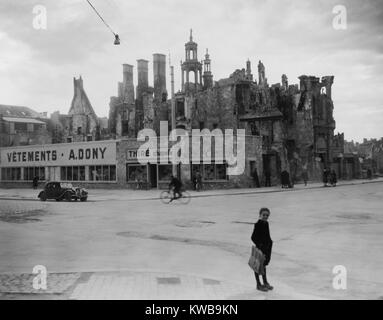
[(292, 125), (20, 126), (81, 123), (130, 112)]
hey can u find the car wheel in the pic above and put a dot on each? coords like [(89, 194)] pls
[(68, 196), (84, 199), (43, 197)]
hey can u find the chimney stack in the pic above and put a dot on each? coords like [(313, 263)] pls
[(143, 79), (128, 87), (159, 73)]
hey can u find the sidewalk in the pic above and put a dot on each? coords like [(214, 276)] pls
[(133, 195), (137, 285)]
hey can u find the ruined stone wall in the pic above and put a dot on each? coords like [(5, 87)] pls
[(215, 107), (149, 113)]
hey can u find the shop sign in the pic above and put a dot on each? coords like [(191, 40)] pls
[(131, 154), (100, 152)]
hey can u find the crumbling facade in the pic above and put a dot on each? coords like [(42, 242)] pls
[(294, 123), (130, 112), (81, 123), (369, 154), (20, 126)]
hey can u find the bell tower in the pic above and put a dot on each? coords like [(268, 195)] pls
[(207, 75), (191, 64)]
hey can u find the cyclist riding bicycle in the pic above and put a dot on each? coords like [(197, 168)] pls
[(175, 185)]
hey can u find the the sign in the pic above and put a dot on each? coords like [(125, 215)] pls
[(154, 155), (66, 154)]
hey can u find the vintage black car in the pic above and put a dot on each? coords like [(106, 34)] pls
[(62, 191)]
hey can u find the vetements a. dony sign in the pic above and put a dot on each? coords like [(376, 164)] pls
[(87, 153)]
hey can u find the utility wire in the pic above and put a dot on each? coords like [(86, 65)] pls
[(101, 17)]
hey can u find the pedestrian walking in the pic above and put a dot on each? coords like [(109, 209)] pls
[(262, 240), (35, 182), (333, 179), (197, 181), (285, 179), (369, 174), (325, 177)]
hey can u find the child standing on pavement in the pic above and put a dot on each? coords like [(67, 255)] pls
[(262, 240)]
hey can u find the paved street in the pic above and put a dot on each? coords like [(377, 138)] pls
[(128, 245)]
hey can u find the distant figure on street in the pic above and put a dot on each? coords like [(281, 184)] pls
[(333, 179), (262, 240), (285, 179), (255, 178), (305, 175), (35, 182), (369, 174), (175, 185), (267, 179), (197, 181), (325, 177)]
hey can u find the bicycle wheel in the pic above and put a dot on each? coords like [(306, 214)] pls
[(165, 196), (185, 199)]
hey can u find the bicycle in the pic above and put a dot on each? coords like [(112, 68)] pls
[(167, 196)]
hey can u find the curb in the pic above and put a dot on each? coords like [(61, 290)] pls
[(218, 194)]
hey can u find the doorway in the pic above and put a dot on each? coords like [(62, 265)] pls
[(153, 175)]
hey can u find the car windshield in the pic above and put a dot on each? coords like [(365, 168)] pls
[(65, 185)]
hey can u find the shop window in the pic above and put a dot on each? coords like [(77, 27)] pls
[(12, 174), (112, 173), (220, 171), (102, 173), (69, 174), (136, 173), (196, 168), (208, 172), (76, 173), (63, 173), (31, 172), (105, 173), (4, 174), (81, 173), (214, 172), (165, 172), (16, 174)]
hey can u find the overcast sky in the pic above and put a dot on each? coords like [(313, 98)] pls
[(294, 37)]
